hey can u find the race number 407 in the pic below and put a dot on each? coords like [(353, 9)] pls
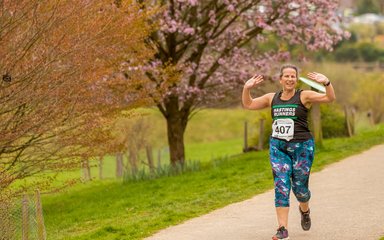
[(283, 129)]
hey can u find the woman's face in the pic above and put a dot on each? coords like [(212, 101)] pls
[(288, 79)]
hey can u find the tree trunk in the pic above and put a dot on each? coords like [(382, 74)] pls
[(86, 169), (133, 160), (119, 165), (176, 125)]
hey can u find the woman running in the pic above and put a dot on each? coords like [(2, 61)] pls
[(291, 143)]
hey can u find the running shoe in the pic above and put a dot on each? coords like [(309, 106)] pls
[(305, 219), (281, 234)]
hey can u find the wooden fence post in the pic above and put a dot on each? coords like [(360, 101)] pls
[(261, 134), (148, 150), (353, 118), (101, 159), (40, 218), (159, 160), (25, 218), (245, 148), (348, 121)]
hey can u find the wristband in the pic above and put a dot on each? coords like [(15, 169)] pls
[(327, 84)]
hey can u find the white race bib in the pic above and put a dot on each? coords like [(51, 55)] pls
[(283, 129)]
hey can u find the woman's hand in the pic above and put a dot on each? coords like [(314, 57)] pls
[(318, 77), (254, 81), (310, 96)]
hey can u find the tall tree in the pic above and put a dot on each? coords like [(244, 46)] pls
[(204, 49), (58, 91)]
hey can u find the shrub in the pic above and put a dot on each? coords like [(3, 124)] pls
[(346, 53), (369, 52), (333, 121)]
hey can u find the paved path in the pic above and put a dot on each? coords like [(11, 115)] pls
[(347, 203)]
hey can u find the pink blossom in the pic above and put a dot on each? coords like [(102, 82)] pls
[(231, 8), (173, 26), (192, 2), (189, 31), (221, 61)]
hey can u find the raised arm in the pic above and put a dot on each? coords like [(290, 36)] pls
[(255, 103), (315, 97)]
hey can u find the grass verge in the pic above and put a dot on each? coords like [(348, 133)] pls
[(112, 210)]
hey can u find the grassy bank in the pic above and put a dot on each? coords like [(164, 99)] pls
[(112, 210)]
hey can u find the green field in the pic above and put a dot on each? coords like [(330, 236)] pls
[(132, 210), (207, 125), (210, 134)]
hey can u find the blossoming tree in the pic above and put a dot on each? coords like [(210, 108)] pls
[(206, 48)]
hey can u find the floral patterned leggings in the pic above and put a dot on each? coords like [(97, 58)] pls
[(291, 164)]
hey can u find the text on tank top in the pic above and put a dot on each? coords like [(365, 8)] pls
[(290, 118)]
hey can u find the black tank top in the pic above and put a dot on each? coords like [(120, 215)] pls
[(292, 109)]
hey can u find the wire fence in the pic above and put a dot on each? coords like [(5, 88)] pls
[(22, 219)]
